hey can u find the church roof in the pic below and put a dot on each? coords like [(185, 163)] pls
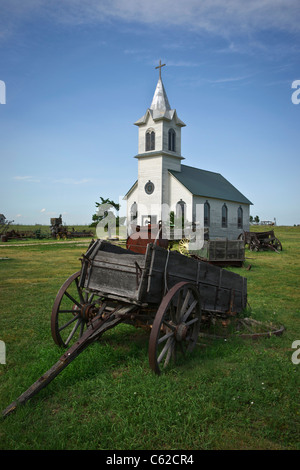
[(208, 184)]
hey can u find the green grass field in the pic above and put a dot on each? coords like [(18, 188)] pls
[(228, 394)]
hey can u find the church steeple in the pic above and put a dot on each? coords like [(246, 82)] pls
[(160, 127), (160, 100)]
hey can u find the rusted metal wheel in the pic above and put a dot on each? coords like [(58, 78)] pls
[(72, 311), (184, 246), (176, 325)]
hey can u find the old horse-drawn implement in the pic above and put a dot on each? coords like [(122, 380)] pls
[(161, 289), (257, 241)]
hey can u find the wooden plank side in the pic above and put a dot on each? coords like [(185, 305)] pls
[(114, 270), (125, 260), (158, 259), (116, 282)]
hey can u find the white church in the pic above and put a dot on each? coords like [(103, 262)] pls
[(165, 185)]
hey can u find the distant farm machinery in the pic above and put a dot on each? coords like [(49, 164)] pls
[(60, 231), (57, 231), (258, 241)]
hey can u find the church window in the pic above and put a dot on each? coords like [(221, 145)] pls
[(180, 209), (150, 140), (172, 140), (133, 212), (206, 214), (224, 216), (149, 187), (240, 217)]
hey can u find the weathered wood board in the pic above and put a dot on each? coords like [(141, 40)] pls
[(222, 252)]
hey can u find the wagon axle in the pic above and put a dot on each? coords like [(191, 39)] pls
[(87, 312)]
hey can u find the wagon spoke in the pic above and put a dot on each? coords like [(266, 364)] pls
[(164, 338), (73, 331), (170, 352), (73, 300), (169, 325), (185, 303), (165, 350), (66, 311), (173, 311), (79, 291), (189, 323), (81, 329), (179, 304), (188, 312), (68, 323)]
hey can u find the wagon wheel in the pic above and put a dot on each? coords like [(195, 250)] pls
[(184, 246), (72, 311), (176, 325)]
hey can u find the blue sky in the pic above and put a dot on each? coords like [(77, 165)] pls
[(78, 74)]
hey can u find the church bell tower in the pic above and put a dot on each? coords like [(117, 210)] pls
[(159, 150)]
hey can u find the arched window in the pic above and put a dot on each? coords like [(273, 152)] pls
[(240, 217), (150, 140), (133, 212), (172, 140), (180, 209), (224, 216), (206, 214)]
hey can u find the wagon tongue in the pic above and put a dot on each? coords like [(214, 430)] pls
[(97, 327)]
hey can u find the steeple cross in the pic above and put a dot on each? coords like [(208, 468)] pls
[(159, 67)]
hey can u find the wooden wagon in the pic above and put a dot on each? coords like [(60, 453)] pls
[(257, 241), (161, 290)]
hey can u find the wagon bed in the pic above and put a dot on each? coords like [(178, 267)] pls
[(117, 273)]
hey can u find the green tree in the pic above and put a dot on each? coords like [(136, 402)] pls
[(104, 210)]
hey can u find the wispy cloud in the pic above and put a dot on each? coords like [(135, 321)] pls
[(28, 179), (72, 181), (229, 79), (216, 16), (182, 63)]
